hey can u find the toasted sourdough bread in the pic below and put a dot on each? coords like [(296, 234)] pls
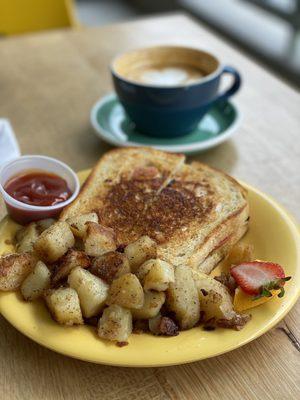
[(124, 163), (194, 213)]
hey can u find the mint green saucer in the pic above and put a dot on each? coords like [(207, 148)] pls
[(113, 126)]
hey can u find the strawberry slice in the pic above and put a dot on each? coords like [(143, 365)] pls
[(259, 278)]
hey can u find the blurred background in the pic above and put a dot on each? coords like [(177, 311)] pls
[(266, 29)]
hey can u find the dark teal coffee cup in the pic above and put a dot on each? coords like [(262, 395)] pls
[(166, 90)]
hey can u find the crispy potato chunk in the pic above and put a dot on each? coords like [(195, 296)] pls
[(238, 254), (36, 282), (153, 302), (28, 236), (19, 234), (165, 326), (140, 251), (63, 303), (183, 298), (126, 291), (44, 224), (78, 223), (216, 303), (110, 266), (54, 242), (143, 270), (13, 270), (115, 324), (99, 240), (160, 275), (92, 291), (72, 259), (215, 300)]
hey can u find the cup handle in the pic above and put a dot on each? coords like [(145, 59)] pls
[(237, 80)]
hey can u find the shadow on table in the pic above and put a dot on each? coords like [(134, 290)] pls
[(223, 156), (89, 145)]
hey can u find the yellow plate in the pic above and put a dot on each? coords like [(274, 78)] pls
[(275, 237)]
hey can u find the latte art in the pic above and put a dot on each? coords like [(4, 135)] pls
[(166, 75)]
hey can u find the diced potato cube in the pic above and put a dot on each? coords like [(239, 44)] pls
[(64, 306), (154, 324), (54, 242), (44, 224), (215, 300), (140, 251), (19, 234), (238, 254), (126, 291), (78, 223), (13, 270), (92, 291), (72, 259), (110, 266), (36, 282), (153, 302), (143, 270), (115, 324), (183, 298), (160, 275), (29, 236), (165, 326), (99, 240)]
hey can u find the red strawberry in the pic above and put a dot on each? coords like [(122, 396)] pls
[(259, 277)]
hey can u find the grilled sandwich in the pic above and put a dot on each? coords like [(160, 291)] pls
[(193, 212)]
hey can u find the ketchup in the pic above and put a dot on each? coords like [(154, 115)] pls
[(38, 188)]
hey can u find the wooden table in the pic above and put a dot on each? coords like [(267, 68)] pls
[(48, 83)]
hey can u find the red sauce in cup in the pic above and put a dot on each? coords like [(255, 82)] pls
[(38, 188)]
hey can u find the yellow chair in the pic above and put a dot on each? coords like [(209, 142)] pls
[(20, 16)]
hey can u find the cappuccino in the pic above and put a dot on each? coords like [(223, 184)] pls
[(165, 66), (165, 74)]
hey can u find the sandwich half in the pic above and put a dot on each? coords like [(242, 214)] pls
[(194, 212)]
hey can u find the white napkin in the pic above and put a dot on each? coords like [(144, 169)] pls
[(9, 148)]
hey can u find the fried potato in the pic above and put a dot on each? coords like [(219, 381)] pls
[(44, 224), (215, 300), (99, 239), (153, 302), (19, 234), (36, 282), (78, 223), (143, 270), (238, 254), (64, 306), (183, 298), (92, 291), (54, 242), (126, 291), (140, 251), (13, 270), (160, 275), (165, 326), (72, 259), (115, 324), (28, 237), (110, 266)]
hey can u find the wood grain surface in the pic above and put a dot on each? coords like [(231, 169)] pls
[(48, 83)]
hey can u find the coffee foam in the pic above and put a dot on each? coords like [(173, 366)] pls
[(166, 75)]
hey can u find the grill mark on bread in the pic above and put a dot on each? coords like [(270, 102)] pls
[(124, 206), (134, 207)]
